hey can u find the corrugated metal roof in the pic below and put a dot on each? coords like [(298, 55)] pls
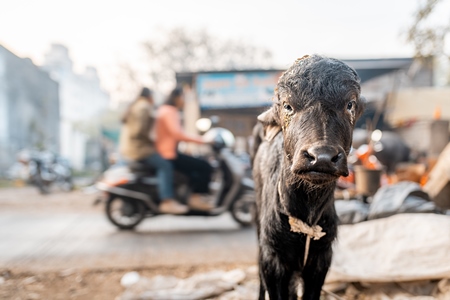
[(366, 68)]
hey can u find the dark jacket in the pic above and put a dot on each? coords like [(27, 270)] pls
[(135, 140)]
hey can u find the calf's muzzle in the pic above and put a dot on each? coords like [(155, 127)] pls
[(320, 159)]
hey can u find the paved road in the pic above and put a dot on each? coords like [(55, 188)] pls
[(48, 233)]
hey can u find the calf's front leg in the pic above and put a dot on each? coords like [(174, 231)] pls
[(314, 274), (276, 280)]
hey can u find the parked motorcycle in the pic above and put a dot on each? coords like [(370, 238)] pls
[(388, 147), (130, 191), (44, 169)]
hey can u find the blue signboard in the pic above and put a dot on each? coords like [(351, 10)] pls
[(236, 89)]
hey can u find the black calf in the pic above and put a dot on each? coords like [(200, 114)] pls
[(307, 137)]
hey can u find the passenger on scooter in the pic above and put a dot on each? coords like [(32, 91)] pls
[(169, 132), (136, 144)]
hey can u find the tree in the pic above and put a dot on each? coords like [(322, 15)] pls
[(428, 38), (181, 50), (127, 83)]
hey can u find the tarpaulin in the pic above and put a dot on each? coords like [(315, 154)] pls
[(403, 247)]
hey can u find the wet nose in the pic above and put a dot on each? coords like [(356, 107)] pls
[(324, 155)]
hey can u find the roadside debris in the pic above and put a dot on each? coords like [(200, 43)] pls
[(199, 286), (400, 248), (376, 189), (438, 184), (398, 257), (129, 279), (402, 197)]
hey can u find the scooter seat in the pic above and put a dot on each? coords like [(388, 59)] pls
[(141, 167)]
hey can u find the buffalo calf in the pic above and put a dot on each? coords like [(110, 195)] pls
[(304, 140)]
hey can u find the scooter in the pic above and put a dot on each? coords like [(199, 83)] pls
[(130, 191), (44, 169)]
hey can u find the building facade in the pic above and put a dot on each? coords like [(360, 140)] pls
[(237, 97), (82, 102), (29, 108)]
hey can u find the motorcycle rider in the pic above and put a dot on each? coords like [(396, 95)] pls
[(136, 144), (169, 132)]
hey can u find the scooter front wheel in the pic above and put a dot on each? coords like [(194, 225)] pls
[(67, 184), (123, 212), (43, 186)]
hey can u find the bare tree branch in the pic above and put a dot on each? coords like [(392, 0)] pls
[(428, 39), (182, 50)]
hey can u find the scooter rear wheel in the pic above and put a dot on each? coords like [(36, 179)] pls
[(243, 209), (123, 212)]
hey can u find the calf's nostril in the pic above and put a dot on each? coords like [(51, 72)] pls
[(336, 158), (308, 156)]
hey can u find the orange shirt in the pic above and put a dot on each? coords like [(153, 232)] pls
[(169, 132)]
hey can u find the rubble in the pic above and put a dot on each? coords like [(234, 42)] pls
[(438, 184), (198, 286), (417, 290), (402, 197), (399, 257), (370, 192), (351, 211)]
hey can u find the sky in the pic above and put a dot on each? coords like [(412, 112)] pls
[(104, 34)]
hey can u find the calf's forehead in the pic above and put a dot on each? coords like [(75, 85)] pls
[(319, 79)]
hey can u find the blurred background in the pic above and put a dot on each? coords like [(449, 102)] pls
[(69, 69)]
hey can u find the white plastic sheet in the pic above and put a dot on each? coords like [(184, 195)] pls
[(199, 286), (403, 247)]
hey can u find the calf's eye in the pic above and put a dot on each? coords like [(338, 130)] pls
[(351, 105), (287, 107)]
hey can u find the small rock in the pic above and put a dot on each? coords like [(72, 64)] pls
[(6, 274), (2, 280), (29, 280), (335, 287), (235, 276), (66, 272), (252, 271), (444, 285), (130, 278)]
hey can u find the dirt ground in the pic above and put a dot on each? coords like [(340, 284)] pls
[(104, 283), (84, 284), (75, 283), (28, 198)]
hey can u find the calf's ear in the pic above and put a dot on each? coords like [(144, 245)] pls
[(361, 107), (270, 124)]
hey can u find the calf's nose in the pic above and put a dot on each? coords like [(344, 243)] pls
[(324, 156)]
